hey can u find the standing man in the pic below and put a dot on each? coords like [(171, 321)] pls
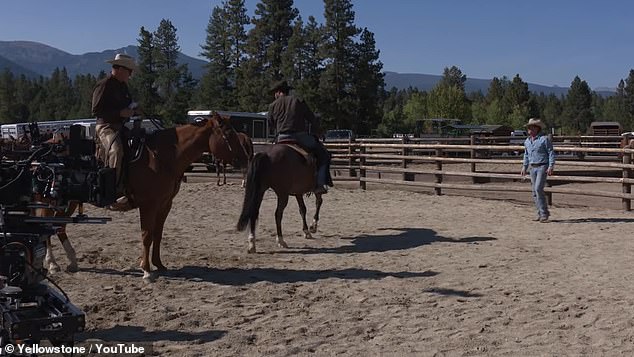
[(540, 157), (113, 106), (295, 121)]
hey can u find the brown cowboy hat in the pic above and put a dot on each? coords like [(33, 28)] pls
[(280, 85), (123, 60), (535, 122)]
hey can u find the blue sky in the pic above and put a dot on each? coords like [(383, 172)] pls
[(545, 42)]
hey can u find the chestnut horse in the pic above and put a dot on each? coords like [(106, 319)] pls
[(155, 178), (223, 154), (288, 172)]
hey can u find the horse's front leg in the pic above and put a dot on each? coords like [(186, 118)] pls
[(244, 176), (302, 213), (224, 173), (282, 201), (148, 218), (318, 202), (217, 173), (68, 248), (158, 236), (49, 259)]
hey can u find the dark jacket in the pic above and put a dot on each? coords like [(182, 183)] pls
[(108, 99), (289, 114)]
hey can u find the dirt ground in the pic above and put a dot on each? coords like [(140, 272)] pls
[(390, 272)]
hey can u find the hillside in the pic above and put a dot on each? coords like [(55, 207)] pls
[(42, 59)]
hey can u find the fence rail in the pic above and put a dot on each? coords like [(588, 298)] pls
[(420, 163)]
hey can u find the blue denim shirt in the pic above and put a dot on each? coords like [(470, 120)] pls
[(539, 151)]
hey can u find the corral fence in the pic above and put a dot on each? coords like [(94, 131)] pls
[(486, 164)]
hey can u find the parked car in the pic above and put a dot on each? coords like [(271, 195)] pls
[(339, 135)]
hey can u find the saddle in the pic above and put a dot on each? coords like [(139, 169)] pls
[(309, 157), (134, 142)]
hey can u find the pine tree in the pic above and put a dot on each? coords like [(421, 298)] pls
[(165, 45), (453, 77), (368, 85), (217, 83), (7, 99), (267, 41), (302, 62), (448, 99), (496, 90), (237, 19), (578, 107), (83, 86), (338, 51), (144, 81), (171, 77)]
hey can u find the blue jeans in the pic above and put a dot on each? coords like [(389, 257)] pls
[(538, 181)]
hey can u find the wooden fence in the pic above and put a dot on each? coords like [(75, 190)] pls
[(427, 162)]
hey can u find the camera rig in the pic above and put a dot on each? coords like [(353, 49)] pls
[(32, 306)]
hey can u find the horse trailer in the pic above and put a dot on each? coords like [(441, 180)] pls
[(255, 125)]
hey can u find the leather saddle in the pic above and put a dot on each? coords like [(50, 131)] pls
[(309, 158)]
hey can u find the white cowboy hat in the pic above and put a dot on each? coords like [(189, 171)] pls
[(123, 60), (535, 122)]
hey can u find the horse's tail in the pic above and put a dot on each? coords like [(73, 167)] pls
[(254, 191)]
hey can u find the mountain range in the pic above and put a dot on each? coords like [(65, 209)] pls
[(35, 59)]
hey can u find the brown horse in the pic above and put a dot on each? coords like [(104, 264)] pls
[(247, 145), (155, 178), (288, 172), (223, 154)]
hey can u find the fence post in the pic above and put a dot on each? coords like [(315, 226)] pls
[(405, 153), (627, 187), (362, 183), (352, 172), (439, 154), (473, 156)]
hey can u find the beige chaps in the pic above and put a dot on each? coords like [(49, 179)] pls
[(111, 147)]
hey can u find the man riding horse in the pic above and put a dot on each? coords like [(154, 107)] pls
[(294, 121), (113, 106)]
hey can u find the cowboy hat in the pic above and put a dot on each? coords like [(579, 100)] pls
[(280, 85), (123, 60), (535, 122)]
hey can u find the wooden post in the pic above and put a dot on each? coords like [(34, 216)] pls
[(473, 156), (405, 153), (351, 160), (362, 183), (627, 187), (439, 154), (549, 195)]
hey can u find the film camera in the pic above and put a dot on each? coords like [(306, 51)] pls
[(47, 175)]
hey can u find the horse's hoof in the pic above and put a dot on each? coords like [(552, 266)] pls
[(149, 277), (160, 267), (251, 250), (54, 269), (72, 268), (313, 229), (282, 244), (307, 235)]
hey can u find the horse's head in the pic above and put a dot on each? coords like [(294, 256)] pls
[(224, 131)]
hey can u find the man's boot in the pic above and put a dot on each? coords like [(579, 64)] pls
[(322, 179), (122, 203)]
